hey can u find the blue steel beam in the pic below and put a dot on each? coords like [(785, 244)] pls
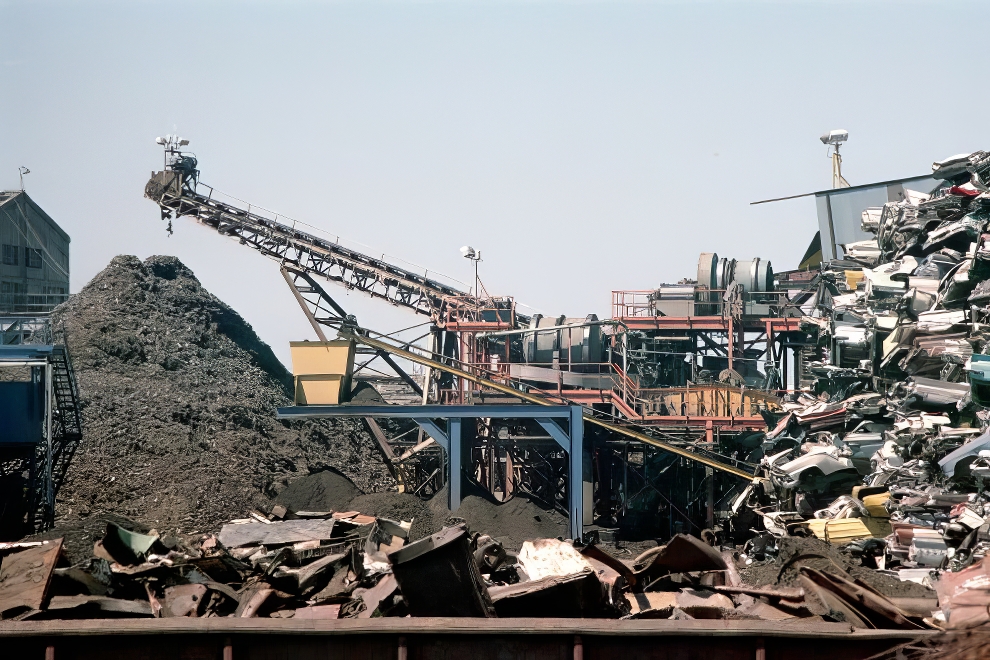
[(454, 459), (501, 411), (434, 431), (573, 444), (572, 441)]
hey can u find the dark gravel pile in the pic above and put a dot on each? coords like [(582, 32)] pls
[(328, 490), (179, 397), (823, 556), (512, 522), (520, 519)]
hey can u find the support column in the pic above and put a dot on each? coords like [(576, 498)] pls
[(783, 364), (582, 500), (580, 486), (742, 342), (710, 497), (771, 356), (732, 342), (454, 458)]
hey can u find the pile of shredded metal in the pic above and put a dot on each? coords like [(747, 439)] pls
[(885, 454), (178, 401)]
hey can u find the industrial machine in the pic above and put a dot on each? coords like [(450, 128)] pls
[(688, 370)]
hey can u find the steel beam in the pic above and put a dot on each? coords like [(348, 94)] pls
[(431, 411)]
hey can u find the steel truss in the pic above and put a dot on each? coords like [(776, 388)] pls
[(176, 194)]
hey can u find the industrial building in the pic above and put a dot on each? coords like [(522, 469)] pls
[(34, 257), (39, 403)]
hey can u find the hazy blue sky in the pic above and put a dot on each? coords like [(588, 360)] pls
[(583, 147)]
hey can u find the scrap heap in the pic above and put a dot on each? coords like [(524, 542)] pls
[(886, 455), (870, 507), (344, 564)]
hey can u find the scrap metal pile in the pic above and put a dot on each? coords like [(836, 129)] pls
[(332, 565), (886, 455)]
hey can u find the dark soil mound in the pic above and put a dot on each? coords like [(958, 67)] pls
[(179, 397), (399, 506), (823, 556), (520, 519), (328, 490)]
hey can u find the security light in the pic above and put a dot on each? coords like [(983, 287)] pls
[(835, 137)]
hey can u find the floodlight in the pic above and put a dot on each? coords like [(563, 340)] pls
[(835, 137), (183, 142), (468, 252), (160, 140)]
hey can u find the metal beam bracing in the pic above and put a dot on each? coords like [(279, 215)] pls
[(532, 398), (322, 297), (571, 441)]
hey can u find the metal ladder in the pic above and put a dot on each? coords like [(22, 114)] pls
[(48, 471)]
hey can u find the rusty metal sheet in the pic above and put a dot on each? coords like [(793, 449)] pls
[(869, 604), (26, 575), (372, 597), (184, 600), (439, 577), (90, 607), (276, 533), (557, 596), (318, 612), (684, 553)]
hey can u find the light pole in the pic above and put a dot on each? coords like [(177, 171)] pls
[(469, 252), (834, 139), (22, 171)]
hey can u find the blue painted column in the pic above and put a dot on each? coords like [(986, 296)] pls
[(577, 485), (454, 460)]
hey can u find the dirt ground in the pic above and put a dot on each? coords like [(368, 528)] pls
[(821, 555)]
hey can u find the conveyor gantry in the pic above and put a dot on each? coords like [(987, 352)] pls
[(175, 190)]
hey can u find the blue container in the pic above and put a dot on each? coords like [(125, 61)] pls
[(22, 412)]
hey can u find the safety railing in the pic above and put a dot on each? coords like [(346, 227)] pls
[(30, 303), (633, 304), (25, 330), (702, 401)]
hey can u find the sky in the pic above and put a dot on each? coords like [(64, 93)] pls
[(583, 147)]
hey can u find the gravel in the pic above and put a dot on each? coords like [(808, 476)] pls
[(825, 557), (178, 405), (520, 519)]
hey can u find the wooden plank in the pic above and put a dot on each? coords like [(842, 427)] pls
[(26, 575)]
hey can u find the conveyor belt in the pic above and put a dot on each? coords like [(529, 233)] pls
[(172, 191)]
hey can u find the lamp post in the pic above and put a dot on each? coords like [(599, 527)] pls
[(834, 139), (469, 252)]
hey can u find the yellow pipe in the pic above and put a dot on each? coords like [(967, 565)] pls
[(541, 401)]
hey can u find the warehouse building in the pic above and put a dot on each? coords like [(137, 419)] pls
[(34, 257)]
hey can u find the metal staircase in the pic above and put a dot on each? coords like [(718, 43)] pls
[(54, 455), (42, 461)]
